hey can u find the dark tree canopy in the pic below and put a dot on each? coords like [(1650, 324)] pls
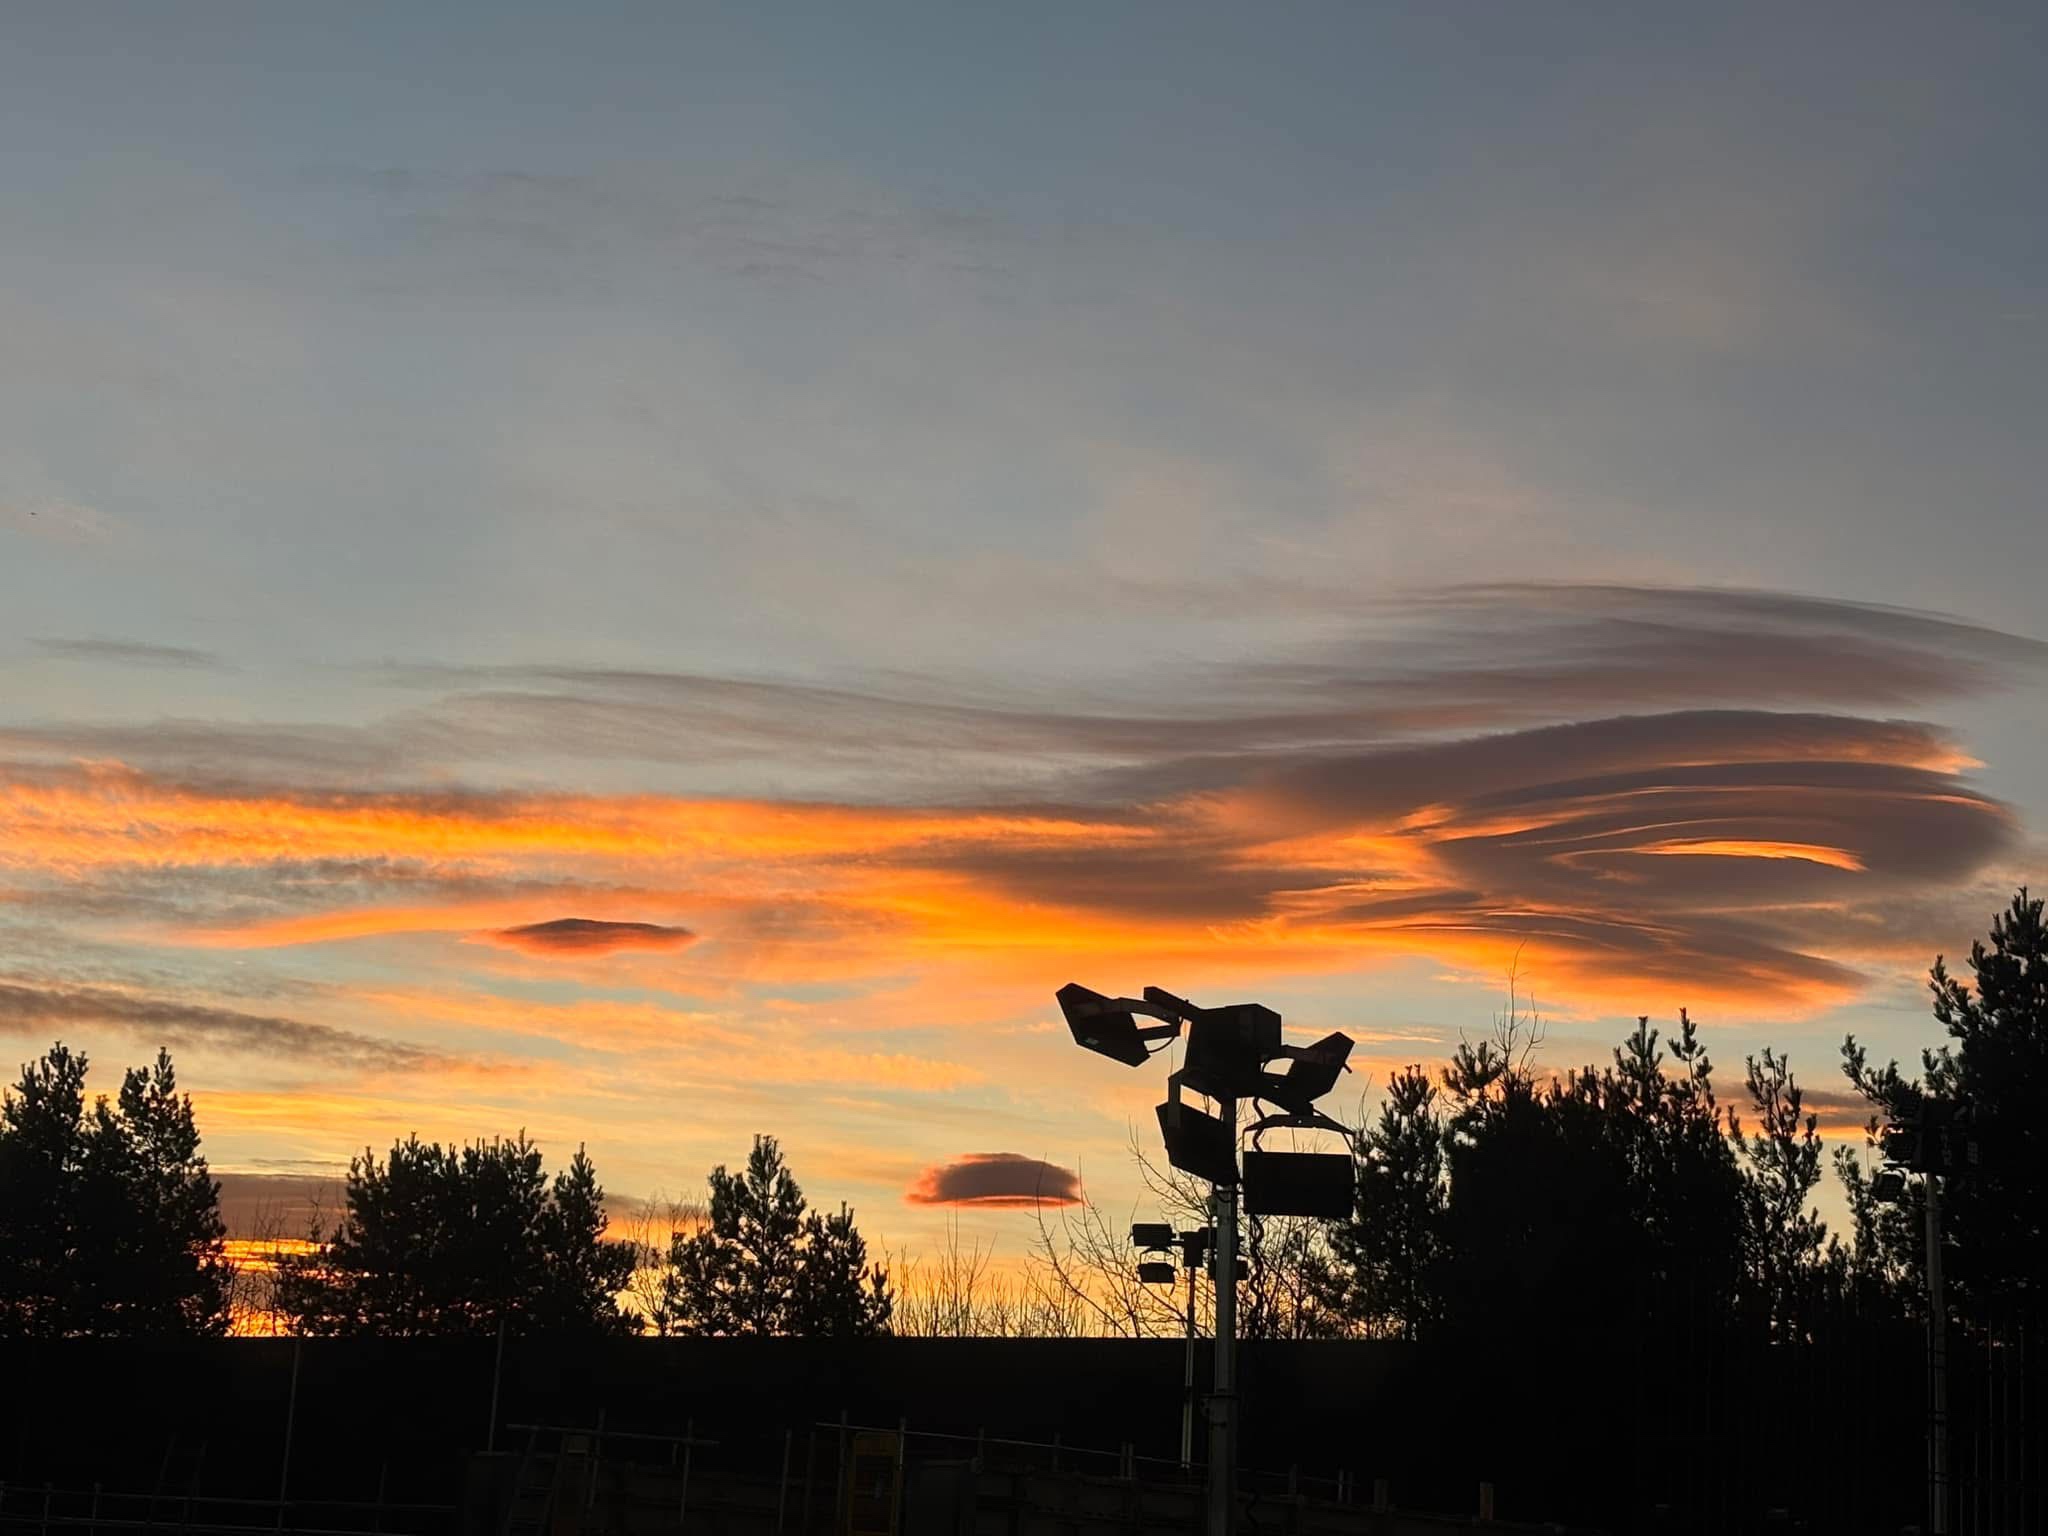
[(1386, 1259), (109, 1220), (1588, 1200), (1789, 1262), (1986, 1086), (453, 1240), (766, 1264)]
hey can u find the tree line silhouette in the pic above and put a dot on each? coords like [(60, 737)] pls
[(1492, 1196)]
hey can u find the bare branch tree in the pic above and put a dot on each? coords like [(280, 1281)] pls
[(1083, 1269), (652, 1228), (959, 1294)]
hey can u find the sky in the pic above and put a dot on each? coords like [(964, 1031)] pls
[(649, 574)]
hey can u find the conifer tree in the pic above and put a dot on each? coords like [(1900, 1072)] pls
[(462, 1240), (109, 1218), (765, 1264)]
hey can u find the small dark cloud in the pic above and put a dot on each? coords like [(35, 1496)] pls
[(592, 936), (26, 1009), (996, 1179), (130, 653)]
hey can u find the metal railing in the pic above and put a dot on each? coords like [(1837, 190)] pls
[(46, 1507), (1057, 1455)]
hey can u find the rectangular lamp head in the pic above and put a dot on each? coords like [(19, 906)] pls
[(1903, 1145), (1298, 1184), (1311, 1073), (1226, 1047), (1099, 1025), (1152, 1236), (1156, 1272), (1198, 1143)]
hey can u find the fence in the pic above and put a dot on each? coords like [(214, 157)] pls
[(49, 1508), (846, 1478), (1690, 1429), (1998, 1452)]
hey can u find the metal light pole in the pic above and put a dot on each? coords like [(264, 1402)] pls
[(1937, 1366), (1223, 1395), (1234, 1052), (1187, 1384)]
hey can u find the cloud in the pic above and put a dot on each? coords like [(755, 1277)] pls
[(61, 522), (26, 1009), (586, 935), (137, 653), (1430, 665), (1688, 850), (1001, 1180), (1411, 798)]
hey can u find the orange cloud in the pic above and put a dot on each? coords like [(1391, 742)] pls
[(366, 958), (108, 814), (1619, 855)]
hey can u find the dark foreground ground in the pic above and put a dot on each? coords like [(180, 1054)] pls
[(1831, 1439)]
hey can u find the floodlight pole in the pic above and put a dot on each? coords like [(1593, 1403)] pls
[(1187, 1384), (1937, 1367), (1223, 1395)]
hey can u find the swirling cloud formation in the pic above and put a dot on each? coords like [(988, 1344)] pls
[(1709, 797)]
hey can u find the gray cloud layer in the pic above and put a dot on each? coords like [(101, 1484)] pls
[(31, 1009), (1434, 664), (136, 653)]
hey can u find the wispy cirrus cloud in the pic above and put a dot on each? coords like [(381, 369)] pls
[(28, 1009), (1426, 665), (130, 653)]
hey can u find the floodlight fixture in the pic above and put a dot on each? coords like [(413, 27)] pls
[(1195, 1246), (1312, 1071), (1157, 1272), (1152, 1236), (1889, 1187), (1902, 1144), (1298, 1184), (1226, 1048), (1198, 1143), (1108, 1026)]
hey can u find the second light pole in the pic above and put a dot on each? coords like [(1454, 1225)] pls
[(1223, 1390)]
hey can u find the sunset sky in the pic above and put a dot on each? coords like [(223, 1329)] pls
[(655, 573)]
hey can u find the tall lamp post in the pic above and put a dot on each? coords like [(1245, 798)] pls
[(1157, 1237), (1933, 1147), (1233, 1053)]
